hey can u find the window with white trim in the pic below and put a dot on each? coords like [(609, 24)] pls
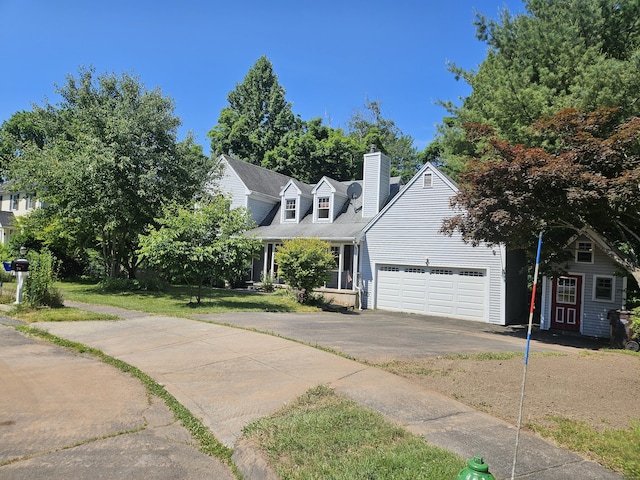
[(15, 201), (584, 252), (603, 288), (290, 209), (427, 180), (323, 208)]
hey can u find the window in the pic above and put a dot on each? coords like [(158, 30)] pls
[(323, 207), (290, 209), (567, 290), (15, 200), (427, 180), (31, 201), (603, 288), (584, 252)]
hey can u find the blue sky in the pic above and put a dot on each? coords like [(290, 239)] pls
[(330, 56)]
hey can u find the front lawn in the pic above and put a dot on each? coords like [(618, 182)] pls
[(179, 300)]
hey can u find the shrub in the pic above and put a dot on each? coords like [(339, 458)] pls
[(304, 264), (39, 289)]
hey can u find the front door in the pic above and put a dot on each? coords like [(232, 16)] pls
[(566, 307)]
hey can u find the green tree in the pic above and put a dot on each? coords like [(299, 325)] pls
[(560, 54), (585, 181), (257, 119), (369, 127), (304, 264), (202, 243), (315, 151), (109, 161)]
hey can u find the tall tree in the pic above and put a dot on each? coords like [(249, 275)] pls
[(368, 126), (559, 54), (257, 119), (585, 181), (109, 160)]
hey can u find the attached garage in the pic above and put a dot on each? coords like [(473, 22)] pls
[(452, 292)]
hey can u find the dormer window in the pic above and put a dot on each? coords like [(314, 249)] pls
[(323, 207), (290, 209)]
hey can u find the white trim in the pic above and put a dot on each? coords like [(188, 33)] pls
[(612, 297), (591, 250)]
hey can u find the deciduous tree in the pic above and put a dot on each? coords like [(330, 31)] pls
[(105, 160), (585, 180), (205, 242)]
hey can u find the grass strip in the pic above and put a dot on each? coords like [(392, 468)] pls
[(615, 449), (64, 314), (325, 435), (207, 443)]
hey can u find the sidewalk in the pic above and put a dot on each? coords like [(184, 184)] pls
[(229, 377)]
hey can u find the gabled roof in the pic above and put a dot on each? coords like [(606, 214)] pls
[(338, 187), (394, 198), (303, 188), (258, 179)]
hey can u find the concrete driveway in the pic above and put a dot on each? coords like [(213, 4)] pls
[(64, 415)]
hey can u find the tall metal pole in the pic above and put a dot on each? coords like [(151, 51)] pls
[(526, 355)]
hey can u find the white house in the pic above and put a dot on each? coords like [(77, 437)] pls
[(12, 205), (386, 239)]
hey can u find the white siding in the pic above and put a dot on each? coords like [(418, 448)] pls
[(593, 321), (408, 233), (230, 183), (377, 168)]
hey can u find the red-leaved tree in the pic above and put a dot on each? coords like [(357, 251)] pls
[(583, 178)]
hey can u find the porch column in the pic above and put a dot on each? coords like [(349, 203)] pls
[(340, 265)]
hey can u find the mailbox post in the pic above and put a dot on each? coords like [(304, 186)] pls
[(20, 268)]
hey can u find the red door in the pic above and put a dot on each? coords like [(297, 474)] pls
[(566, 307)]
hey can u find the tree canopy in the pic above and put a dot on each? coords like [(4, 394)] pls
[(560, 54), (259, 127), (369, 127), (104, 160), (584, 180), (205, 242), (257, 119)]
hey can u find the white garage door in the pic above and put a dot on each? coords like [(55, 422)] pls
[(454, 292)]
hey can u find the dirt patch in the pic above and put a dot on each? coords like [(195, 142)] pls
[(601, 388)]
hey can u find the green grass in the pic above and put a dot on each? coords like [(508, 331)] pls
[(324, 435), (616, 449), (179, 301), (65, 314)]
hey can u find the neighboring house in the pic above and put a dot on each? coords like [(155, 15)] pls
[(12, 205), (581, 300), (386, 239)]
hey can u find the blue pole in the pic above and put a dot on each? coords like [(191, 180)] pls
[(526, 355)]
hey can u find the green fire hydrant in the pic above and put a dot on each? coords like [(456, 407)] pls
[(476, 470)]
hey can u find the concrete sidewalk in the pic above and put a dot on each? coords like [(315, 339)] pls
[(228, 377)]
